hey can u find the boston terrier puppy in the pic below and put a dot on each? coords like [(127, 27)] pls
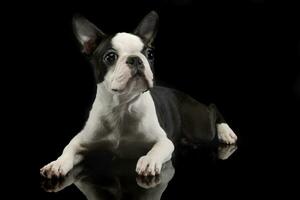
[(130, 115)]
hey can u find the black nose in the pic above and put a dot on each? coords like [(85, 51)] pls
[(135, 62)]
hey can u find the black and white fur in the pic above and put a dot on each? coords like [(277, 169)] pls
[(130, 114)]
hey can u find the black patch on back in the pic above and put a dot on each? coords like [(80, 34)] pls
[(183, 117), (166, 105)]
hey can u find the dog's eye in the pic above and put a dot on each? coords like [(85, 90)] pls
[(110, 58), (149, 54)]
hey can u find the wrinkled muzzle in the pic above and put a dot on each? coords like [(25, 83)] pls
[(130, 68)]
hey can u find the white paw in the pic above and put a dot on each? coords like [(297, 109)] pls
[(225, 134), (148, 165), (57, 168)]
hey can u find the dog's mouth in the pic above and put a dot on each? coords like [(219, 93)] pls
[(141, 75), (138, 78), (128, 80)]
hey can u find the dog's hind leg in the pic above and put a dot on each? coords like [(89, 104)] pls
[(225, 133)]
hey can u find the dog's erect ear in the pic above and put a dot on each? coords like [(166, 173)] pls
[(88, 35), (147, 28)]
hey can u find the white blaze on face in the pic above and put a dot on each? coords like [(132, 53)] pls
[(128, 45)]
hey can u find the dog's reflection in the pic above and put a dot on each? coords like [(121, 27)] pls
[(112, 178), (105, 176), (225, 151)]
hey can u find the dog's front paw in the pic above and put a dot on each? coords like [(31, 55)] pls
[(57, 168), (148, 165)]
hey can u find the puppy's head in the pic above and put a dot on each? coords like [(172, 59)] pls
[(122, 62)]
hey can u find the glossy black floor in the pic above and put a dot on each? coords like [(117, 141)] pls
[(211, 51), (192, 173)]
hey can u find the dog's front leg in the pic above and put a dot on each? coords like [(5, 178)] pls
[(151, 163), (63, 164)]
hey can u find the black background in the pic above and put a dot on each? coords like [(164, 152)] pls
[(216, 52)]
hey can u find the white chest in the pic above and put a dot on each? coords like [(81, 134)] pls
[(124, 126), (126, 135)]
